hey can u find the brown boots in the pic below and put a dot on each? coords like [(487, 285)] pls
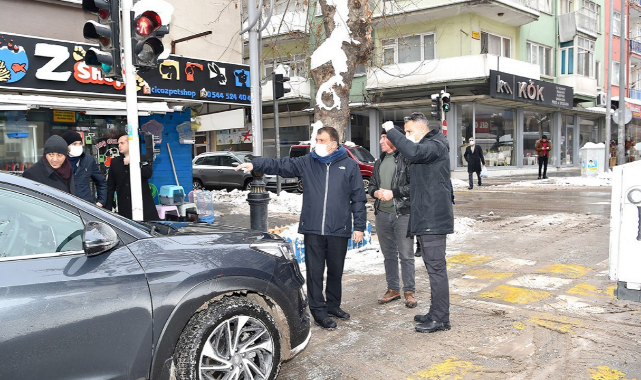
[(391, 295)]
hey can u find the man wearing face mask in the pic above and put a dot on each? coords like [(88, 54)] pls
[(474, 157), (431, 214), (333, 192), (85, 170)]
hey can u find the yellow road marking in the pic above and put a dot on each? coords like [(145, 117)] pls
[(451, 369), (467, 258), (515, 294), (519, 325), (584, 289), (570, 270), (604, 372)]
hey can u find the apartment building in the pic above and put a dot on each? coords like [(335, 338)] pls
[(488, 55)]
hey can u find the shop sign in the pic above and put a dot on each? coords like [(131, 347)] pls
[(514, 87), (64, 116), (234, 136), (476, 35), (636, 110), (45, 65)]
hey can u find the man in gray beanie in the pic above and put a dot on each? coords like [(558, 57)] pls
[(53, 168), (85, 170)]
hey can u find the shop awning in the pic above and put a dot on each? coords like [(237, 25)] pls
[(13, 102), (628, 100)]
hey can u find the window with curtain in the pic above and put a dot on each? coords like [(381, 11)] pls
[(496, 45), (567, 57), (414, 48), (616, 23), (540, 55), (585, 50), (616, 66)]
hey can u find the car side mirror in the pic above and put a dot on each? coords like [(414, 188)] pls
[(235, 163), (98, 238)]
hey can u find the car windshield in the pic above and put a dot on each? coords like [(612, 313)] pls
[(363, 155), (243, 157)]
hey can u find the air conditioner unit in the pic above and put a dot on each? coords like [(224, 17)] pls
[(600, 99)]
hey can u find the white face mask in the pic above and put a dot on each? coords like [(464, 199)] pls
[(412, 138), (472, 142), (75, 150), (321, 150)]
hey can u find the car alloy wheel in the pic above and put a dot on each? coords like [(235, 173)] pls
[(299, 187), (366, 183), (231, 339), (197, 185)]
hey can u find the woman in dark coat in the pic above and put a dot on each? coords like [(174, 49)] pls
[(118, 182), (53, 168), (474, 157)]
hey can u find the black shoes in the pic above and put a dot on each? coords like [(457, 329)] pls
[(545, 177), (470, 188), (539, 177), (432, 326), (326, 323), (339, 313), (422, 318)]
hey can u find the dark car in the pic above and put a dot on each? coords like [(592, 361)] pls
[(217, 170), (87, 294), (362, 156)]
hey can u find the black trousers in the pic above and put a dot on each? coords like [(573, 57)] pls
[(543, 162), (321, 251), (471, 177), (433, 250)]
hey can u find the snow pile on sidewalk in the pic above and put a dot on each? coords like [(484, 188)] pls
[(285, 203), (459, 183), (602, 180)]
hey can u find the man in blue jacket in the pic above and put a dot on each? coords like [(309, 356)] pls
[(431, 213), (85, 170), (333, 192)]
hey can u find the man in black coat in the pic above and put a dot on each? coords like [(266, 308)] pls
[(431, 216), (118, 182), (474, 157), (333, 192), (53, 168), (85, 170)]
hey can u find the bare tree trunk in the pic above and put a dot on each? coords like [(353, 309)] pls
[(348, 44)]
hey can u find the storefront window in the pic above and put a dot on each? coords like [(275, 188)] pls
[(464, 113), (23, 134), (535, 125), (494, 132), (566, 144), (590, 132), (288, 136)]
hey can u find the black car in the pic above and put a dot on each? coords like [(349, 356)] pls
[(87, 294)]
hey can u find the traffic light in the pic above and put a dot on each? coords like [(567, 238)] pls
[(436, 106), (147, 31), (445, 101), (279, 86), (105, 31)]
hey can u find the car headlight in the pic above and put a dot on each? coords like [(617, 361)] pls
[(278, 249)]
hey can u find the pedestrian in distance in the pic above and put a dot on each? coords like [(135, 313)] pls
[(431, 213), (390, 186), (53, 168), (543, 148), (119, 184), (475, 162), (85, 170), (333, 193)]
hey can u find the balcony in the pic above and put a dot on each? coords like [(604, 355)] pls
[(301, 89), (582, 85), (635, 47), (512, 12), (588, 23), (447, 70)]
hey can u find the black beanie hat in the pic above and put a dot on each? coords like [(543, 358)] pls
[(71, 137), (544, 137), (400, 129), (56, 144)]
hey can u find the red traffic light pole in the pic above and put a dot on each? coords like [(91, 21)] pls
[(132, 113)]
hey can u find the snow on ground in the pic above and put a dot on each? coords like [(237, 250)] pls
[(601, 180), (285, 203), (459, 183)]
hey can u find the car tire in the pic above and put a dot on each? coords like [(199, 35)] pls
[(366, 183), (247, 184), (205, 342), (198, 185), (299, 187)]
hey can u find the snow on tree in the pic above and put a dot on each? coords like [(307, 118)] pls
[(348, 43)]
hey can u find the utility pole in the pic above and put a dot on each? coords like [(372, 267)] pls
[(608, 91), (622, 72), (132, 113), (258, 198)]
